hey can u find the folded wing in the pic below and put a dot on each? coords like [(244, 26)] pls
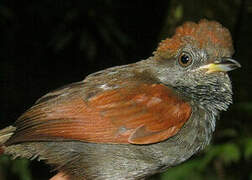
[(139, 113)]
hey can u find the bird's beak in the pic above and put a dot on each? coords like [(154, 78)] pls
[(226, 64)]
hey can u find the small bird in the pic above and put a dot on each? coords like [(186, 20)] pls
[(135, 120)]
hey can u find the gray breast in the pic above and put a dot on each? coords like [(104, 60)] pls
[(110, 161)]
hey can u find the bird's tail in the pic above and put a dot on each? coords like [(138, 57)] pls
[(5, 134)]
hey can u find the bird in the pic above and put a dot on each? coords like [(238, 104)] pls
[(135, 120)]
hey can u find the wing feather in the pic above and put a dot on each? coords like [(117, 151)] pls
[(139, 113)]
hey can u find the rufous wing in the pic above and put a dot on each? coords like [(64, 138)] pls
[(138, 113)]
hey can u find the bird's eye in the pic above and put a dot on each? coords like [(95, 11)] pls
[(185, 59)]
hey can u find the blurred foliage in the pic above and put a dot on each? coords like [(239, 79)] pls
[(45, 44), (215, 163), (18, 167)]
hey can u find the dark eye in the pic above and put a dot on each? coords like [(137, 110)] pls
[(184, 59)]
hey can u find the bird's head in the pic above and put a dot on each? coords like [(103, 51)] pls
[(195, 61)]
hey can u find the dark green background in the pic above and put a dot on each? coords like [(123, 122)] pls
[(46, 44)]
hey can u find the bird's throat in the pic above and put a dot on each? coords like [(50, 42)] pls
[(212, 98)]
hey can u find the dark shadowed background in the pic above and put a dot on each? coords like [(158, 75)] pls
[(46, 44)]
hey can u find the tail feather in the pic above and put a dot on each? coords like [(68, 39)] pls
[(5, 134)]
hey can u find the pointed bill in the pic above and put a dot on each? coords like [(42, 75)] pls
[(226, 64)]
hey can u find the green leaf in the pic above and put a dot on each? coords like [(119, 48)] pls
[(21, 167), (178, 12), (248, 148), (230, 152), (184, 171), (211, 153)]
